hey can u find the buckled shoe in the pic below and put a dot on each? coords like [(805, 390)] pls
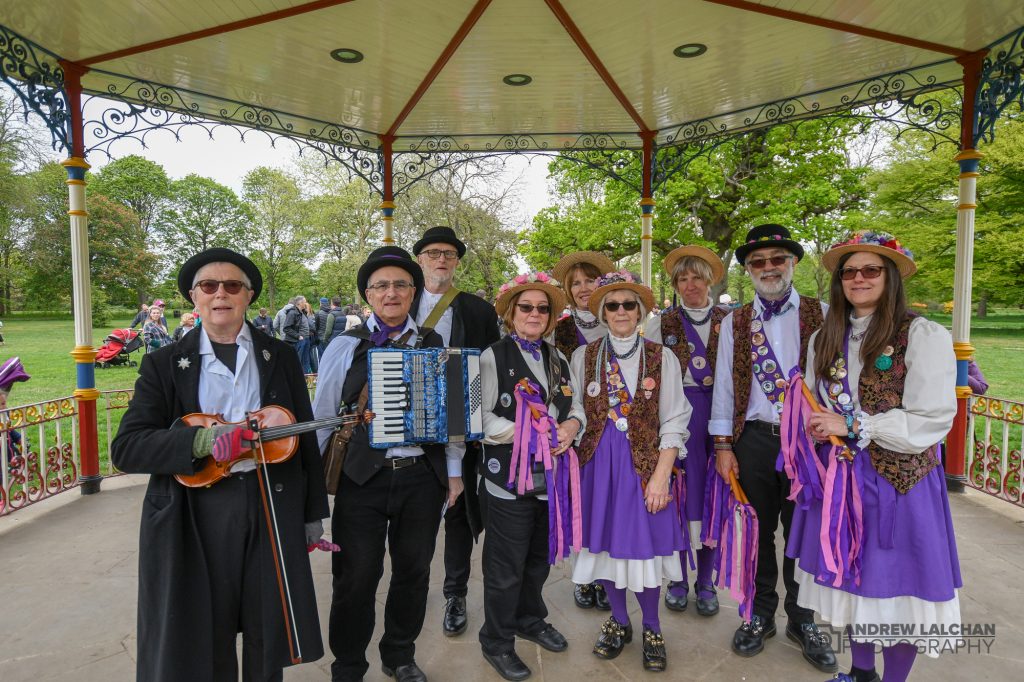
[(601, 602), (614, 636), (583, 595), (706, 606), (749, 637), (815, 644), (655, 658), (454, 622), (676, 602)]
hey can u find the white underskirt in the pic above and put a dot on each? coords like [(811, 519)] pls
[(634, 575), (841, 608), (694, 528)]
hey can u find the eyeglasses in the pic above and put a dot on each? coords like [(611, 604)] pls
[(210, 286), (435, 254), (628, 306), (868, 271), (527, 308), (760, 263), (400, 286)]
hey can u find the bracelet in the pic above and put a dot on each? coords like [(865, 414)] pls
[(849, 426), (723, 446), (723, 439)]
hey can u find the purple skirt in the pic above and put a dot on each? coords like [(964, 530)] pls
[(908, 549), (615, 519), (698, 450)]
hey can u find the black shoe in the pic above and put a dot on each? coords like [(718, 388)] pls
[(709, 606), (674, 603), (614, 635), (843, 677), (549, 638), (655, 659), (815, 644), (584, 596), (749, 637), (508, 665), (454, 622), (601, 602), (405, 673)]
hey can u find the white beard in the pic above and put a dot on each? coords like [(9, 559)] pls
[(769, 289)]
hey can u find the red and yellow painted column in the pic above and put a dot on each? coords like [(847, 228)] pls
[(387, 206), (84, 354)]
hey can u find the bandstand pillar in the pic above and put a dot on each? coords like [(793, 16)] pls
[(647, 208), (84, 354), (968, 160), (387, 205)]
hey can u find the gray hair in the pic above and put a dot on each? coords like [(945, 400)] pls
[(600, 309), (697, 266)]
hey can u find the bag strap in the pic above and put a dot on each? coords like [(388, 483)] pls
[(442, 305)]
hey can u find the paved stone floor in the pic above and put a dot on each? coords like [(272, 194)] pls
[(68, 597)]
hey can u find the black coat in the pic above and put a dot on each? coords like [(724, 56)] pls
[(474, 325), (174, 622)]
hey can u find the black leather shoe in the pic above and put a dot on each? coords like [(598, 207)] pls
[(676, 603), (709, 606), (614, 635), (815, 644), (549, 638), (508, 665), (405, 673), (601, 602), (454, 622), (749, 637), (584, 596), (655, 659), (843, 677)]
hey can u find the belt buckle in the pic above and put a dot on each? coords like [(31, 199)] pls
[(776, 429)]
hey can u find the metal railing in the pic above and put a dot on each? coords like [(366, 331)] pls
[(38, 452), (995, 441)]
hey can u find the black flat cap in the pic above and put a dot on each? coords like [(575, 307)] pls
[(440, 234), (388, 256), (188, 270)]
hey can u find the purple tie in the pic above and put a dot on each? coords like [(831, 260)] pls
[(532, 346), (384, 332), (773, 308)]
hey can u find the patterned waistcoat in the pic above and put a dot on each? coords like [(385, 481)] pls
[(644, 417), (565, 336), (672, 325), (811, 320), (881, 391)]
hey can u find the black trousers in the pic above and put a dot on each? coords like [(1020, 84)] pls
[(230, 525), (458, 550), (515, 566), (403, 508), (756, 451)]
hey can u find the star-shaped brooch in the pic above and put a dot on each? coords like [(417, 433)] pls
[(184, 363)]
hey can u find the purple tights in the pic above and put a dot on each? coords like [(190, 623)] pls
[(898, 659), (649, 600), (705, 564)]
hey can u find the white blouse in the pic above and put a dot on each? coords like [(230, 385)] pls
[(653, 332), (929, 395), (673, 407)]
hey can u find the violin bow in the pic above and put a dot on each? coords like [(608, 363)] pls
[(270, 515)]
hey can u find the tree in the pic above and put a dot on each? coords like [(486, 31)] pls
[(138, 183), (200, 214), (275, 204), (120, 264)]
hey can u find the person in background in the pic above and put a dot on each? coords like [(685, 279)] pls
[(11, 371), (320, 326), (264, 322), (975, 379), (308, 351), (140, 317), (159, 303), (187, 324), (154, 333)]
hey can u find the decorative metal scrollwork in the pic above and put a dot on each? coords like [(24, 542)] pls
[(1001, 84), (37, 79)]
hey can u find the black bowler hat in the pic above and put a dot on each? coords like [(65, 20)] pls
[(188, 271), (766, 236), (440, 234), (382, 258)]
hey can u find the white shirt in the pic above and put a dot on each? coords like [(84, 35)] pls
[(653, 332), (334, 366), (783, 332), (228, 394), (444, 326)]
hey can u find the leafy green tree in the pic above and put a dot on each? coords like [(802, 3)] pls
[(138, 183), (200, 214), (277, 211)]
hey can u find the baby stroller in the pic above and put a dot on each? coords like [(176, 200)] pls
[(118, 347)]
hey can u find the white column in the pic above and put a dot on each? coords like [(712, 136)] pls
[(646, 236)]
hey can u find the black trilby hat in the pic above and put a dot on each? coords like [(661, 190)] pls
[(188, 271), (768, 235), (382, 258), (440, 234)]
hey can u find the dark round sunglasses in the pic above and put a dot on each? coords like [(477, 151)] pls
[(612, 306), (528, 308), (210, 286)]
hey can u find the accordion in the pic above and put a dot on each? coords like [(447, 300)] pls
[(424, 395)]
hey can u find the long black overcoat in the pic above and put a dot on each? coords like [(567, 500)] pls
[(174, 619)]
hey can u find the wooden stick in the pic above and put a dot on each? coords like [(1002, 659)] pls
[(737, 491), (844, 451)]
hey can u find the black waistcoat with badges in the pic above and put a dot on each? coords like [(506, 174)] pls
[(511, 368), (363, 461)]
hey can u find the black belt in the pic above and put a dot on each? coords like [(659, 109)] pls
[(401, 462), (766, 427)]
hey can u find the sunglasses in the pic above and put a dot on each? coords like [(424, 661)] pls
[(760, 263), (527, 308), (628, 306), (210, 286), (868, 271)]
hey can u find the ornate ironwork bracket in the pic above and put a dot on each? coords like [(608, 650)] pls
[(1001, 84), (37, 79)]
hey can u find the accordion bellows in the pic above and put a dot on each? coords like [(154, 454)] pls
[(424, 395)]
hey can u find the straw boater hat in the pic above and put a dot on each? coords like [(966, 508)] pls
[(705, 254), (613, 281), (600, 261), (540, 281), (882, 243)]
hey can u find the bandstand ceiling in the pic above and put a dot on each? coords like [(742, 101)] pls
[(431, 74)]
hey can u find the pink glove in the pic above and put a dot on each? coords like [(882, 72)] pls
[(227, 447), (323, 545)]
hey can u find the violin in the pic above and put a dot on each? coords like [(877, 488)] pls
[(278, 439)]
